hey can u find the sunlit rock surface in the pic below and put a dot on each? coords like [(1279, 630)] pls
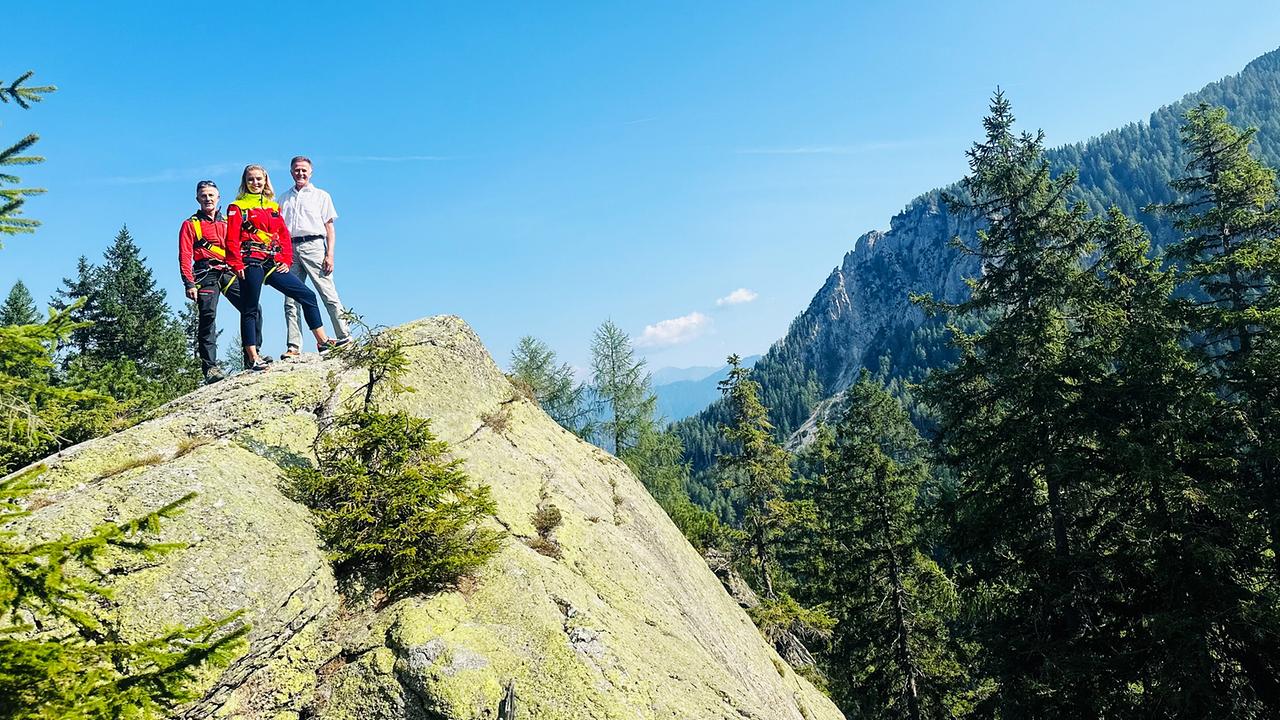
[(629, 623)]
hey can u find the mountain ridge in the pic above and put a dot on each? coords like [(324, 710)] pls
[(862, 313), (679, 399)]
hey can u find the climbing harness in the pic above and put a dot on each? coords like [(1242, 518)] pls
[(264, 241), (200, 242)]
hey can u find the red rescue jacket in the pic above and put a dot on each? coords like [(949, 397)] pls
[(263, 237), (201, 238)]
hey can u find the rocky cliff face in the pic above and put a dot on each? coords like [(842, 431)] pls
[(629, 623), (867, 295), (863, 306)]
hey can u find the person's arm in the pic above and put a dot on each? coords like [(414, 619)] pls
[(186, 239), (329, 237), (284, 258), (233, 239)]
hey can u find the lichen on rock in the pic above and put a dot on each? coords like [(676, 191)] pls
[(628, 622)]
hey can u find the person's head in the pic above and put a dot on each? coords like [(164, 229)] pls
[(300, 168), (254, 179), (207, 196)]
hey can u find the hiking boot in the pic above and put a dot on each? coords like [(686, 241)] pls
[(332, 344), (259, 366), (291, 353), (213, 375)]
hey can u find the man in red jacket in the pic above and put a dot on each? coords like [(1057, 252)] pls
[(202, 254)]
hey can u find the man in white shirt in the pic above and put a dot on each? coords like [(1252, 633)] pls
[(309, 214)]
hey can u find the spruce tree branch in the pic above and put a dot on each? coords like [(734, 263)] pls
[(24, 95)]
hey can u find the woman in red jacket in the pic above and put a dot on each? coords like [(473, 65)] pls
[(260, 251)]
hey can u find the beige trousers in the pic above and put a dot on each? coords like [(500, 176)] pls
[(308, 259)]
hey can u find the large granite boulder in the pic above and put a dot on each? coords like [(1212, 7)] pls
[(628, 622)]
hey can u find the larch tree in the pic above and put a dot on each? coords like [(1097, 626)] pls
[(554, 387), (756, 466), (1228, 212), (620, 383)]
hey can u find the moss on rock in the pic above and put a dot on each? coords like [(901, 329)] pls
[(628, 623)]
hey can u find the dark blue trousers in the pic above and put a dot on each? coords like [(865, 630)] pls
[(287, 284), (211, 280)]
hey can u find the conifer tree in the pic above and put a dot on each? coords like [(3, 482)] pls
[(19, 308), (12, 198), (802, 557), (58, 656), (758, 467), (658, 461), (1107, 552), (1182, 627), (534, 363), (1014, 433), (38, 416), (135, 349), (233, 354), (1230, 216), (891, 655), (390, 502), (78, 295), (1229, 212), (77, 665), (621, 384)]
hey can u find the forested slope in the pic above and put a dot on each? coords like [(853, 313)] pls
[(862, 316)]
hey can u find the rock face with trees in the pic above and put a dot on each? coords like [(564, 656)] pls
[(862, 315), (626, 621)]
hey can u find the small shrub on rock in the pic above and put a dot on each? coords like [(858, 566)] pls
[(547, 518), (390, 504), (546, 546)]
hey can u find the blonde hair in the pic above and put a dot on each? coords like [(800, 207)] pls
[(267, 191)]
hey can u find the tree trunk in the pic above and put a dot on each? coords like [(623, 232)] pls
[(903, 630)]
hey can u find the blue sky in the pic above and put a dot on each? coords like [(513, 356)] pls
[(539, 167)]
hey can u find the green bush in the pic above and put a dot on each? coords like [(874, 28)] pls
[(392, 506), (38, 416), (59, 657), (783, 615), (547, 518)]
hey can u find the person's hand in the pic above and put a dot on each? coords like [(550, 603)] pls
[(240, 273), (191, 292), (282, 268), (327, 266)]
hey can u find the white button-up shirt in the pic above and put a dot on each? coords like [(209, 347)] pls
[(306, 211)]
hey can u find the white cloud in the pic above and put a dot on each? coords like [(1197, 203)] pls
[(737, 297), (674, 331)]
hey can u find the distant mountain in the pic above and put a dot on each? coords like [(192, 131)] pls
[(668, 375), (861, 316), (681, 398)]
